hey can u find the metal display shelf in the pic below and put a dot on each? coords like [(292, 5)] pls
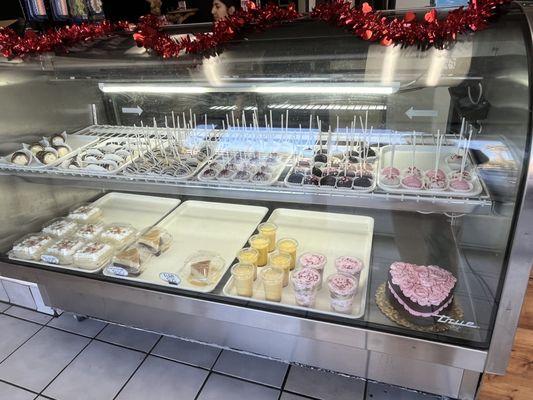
[(378, 199)]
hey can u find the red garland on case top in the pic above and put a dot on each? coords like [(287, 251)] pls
[(12, 45), (150, 37), (408, 31)]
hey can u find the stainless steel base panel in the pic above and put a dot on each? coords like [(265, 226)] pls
[(413, 363)]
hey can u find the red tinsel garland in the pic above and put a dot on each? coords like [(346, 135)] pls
[(363, 22), (12, 45), (148, 33), (407, 31)]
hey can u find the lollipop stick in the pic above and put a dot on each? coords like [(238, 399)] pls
[(437, 158), (463, 161)]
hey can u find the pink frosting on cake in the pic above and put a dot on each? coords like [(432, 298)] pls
[(427, 286), (390, 171), (412, 182), (348, 264), (460, 185), (439, 174), (414, 312)]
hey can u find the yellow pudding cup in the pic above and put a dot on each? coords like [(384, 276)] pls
[(273, 282), (260, 243), (282, 260), (269, 230), (249, 256), (290, 246), (243, 278)]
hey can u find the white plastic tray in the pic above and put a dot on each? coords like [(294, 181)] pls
[(276, 173), (76, 142), (331, 234), (424, 160), (201, 226), (139, 211)]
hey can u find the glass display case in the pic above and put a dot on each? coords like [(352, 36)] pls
[(301, 194)]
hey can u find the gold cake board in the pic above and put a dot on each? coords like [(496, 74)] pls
[(392, 313)]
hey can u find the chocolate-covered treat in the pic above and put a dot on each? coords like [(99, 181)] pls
[(328, 180), (296, 177), (209, 173), (362, 182), (321, 158), (242, 176), (20, 158), (353, 156), (317, 171), (225, 174), (368, 152), (46, 157), (348, 173), (311, 180), (260, 177), (304, 163), (344, 182)]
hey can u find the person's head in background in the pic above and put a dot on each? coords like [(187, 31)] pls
[(224, 8)]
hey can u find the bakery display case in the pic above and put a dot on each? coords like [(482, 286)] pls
[(301, 194)]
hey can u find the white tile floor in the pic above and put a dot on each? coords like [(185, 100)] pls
[(44, 358)]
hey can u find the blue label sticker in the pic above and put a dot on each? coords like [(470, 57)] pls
[(119, 271), (50, 259), (170, 278)]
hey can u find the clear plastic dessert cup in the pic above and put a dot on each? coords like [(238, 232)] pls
[(314, 260), (269, 229), (305, 284), (260, 243), (249, 256), (288, 245), (349, 265), (342, 290), (272, 278), (282, 260), (243, 279)]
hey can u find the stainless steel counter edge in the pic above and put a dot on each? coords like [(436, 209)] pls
[(77, 288), (519, 264)]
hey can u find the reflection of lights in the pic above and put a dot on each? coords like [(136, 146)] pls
[(392, 53), (327, 89), (323, 89), (159, 89), (232, 108), (357, 107), (436, 66)]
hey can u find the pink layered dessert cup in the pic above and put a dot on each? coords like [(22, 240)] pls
[(342, 290), (439, 174), (390, 171), (461, 185), (305, 284), (315, 261), (349, 265), (412, 182)]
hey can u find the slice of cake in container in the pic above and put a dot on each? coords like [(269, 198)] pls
[(420, 293)]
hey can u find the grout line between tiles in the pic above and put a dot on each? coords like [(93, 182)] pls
[(284, 382), (301, 395), (18, 386), (138, 367), (68, 364), (208, 376), (22, 344)]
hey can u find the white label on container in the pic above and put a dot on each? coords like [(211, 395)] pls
[(170, 278), (119, 271), (50, 259)]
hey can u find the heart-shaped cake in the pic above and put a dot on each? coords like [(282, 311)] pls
[(422, 291)]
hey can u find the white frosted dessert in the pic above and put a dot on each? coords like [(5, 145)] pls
[(85, 214), (31, 246), (62, 251), (60, 227), (93, 255), (118, 235), (89, 231)]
